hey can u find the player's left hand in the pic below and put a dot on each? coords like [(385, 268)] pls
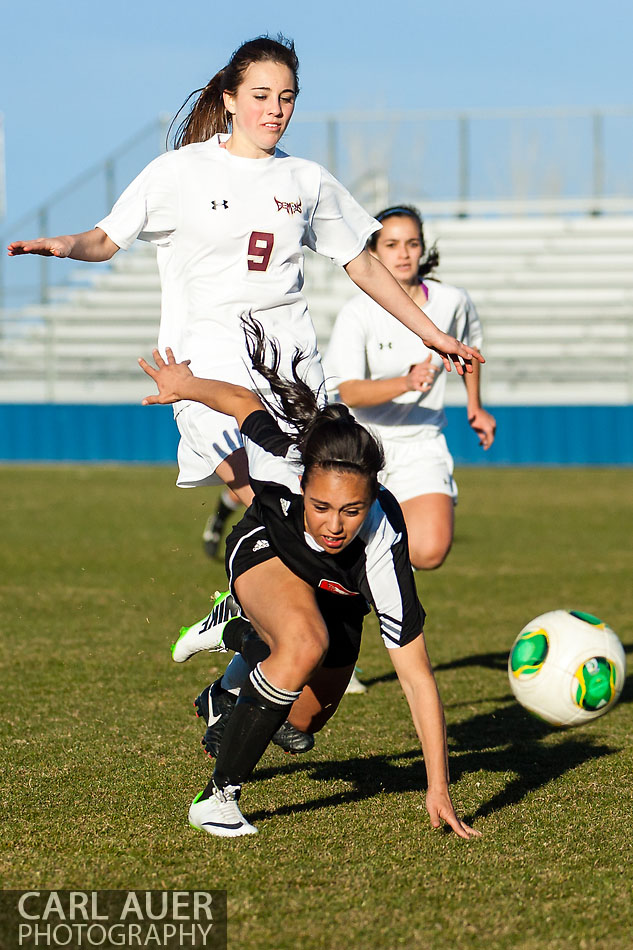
[(485, 425), (440, 808), (453, 351), (170, 377)]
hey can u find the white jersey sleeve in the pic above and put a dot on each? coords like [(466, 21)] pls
[(468, 326), (339, 227), (346, 356), (147, 209)]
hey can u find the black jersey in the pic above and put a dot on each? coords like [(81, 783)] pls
[(375, 565)]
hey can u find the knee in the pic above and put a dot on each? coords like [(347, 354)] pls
[(430, 556), (305, 650)]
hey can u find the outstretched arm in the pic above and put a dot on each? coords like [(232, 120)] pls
[(175, 381), (411, 663), (370, 275), (92, 246), (483, 422)]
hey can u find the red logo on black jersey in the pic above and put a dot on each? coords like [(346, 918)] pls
[(333, 587), (290, 206)]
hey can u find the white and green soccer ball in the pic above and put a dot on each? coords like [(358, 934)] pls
[(567, 667)]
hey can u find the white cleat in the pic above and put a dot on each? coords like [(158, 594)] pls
[(220, 814), (207, 633), (355, 685)]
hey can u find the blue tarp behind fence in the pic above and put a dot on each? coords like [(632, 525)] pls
[(527, 435)]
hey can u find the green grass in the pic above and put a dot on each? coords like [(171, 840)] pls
[(99, 568)]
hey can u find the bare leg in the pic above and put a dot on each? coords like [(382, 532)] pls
[(233, 471), (429, 521), (283, 610), (320, 698)]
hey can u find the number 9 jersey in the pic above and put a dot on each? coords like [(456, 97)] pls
[(230, 233)]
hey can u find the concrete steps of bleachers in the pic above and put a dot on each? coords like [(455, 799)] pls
[(555, 296)]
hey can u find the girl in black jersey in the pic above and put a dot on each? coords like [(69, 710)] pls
[(320, 526)]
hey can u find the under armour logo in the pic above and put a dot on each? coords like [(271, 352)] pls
[(385, 346), (219, 204), (260, 546), (285, 505)]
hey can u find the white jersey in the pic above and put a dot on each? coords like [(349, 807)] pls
[(368, 343), (230, 234)]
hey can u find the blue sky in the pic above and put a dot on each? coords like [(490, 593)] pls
[(78, 78)]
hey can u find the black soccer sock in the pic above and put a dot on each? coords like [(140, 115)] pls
[(234, 632), (254, 650), (226, 507), (258, 713), (239, 636)]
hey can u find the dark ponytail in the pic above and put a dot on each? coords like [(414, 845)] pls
[(328, 438), (429, 259), (208, 115)]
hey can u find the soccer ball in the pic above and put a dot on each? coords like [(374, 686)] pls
[(567, 667)]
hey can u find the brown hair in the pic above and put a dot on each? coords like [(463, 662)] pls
[(428, 259), (208, 115), (328, 438)]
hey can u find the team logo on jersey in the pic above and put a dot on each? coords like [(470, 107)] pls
[(219, 204), (333, 587), (261, 544), (291, 207), (285, 506)]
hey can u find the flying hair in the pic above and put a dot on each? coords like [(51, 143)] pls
[(328, 437)]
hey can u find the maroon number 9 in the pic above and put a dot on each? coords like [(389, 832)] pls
[(260, 247)]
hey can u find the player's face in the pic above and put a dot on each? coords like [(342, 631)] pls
[(399, 247), (261, 109), (335, 505)]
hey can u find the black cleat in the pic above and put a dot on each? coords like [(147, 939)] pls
[(292, 740), (214, 705)]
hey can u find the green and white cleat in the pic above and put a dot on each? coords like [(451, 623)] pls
[(207, 633), (220, 814)]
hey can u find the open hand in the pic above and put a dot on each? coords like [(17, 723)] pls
[(440, 808), (453, 351), (171, 378), (46, 247)]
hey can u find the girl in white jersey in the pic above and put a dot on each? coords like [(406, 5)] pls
[(396, 385), (320, 524), (230, 215)]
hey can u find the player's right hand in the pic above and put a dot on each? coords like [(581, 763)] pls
[(169, 377), (421, 375), (46, 247)]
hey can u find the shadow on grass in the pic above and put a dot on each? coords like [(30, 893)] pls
[(504, 741)]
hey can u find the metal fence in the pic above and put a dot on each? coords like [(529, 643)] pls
[(476, 162)]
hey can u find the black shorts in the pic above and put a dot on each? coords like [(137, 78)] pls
[(247, 545)]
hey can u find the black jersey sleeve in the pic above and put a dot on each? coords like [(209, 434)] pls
[(272, 456), (389, 578)]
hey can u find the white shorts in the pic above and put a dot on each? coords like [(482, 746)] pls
[(418, 467), (207, 437)]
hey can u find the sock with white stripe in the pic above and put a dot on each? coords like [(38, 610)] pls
[(259, 712)]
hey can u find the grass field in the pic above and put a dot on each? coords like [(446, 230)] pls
[(100, 755)]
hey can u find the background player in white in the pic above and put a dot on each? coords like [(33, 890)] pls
[(230, 215), (396, 385), (319, 524)]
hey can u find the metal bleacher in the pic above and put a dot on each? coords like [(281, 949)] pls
[(555, 295)]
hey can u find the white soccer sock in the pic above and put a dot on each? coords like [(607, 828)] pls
[(235, 675)]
